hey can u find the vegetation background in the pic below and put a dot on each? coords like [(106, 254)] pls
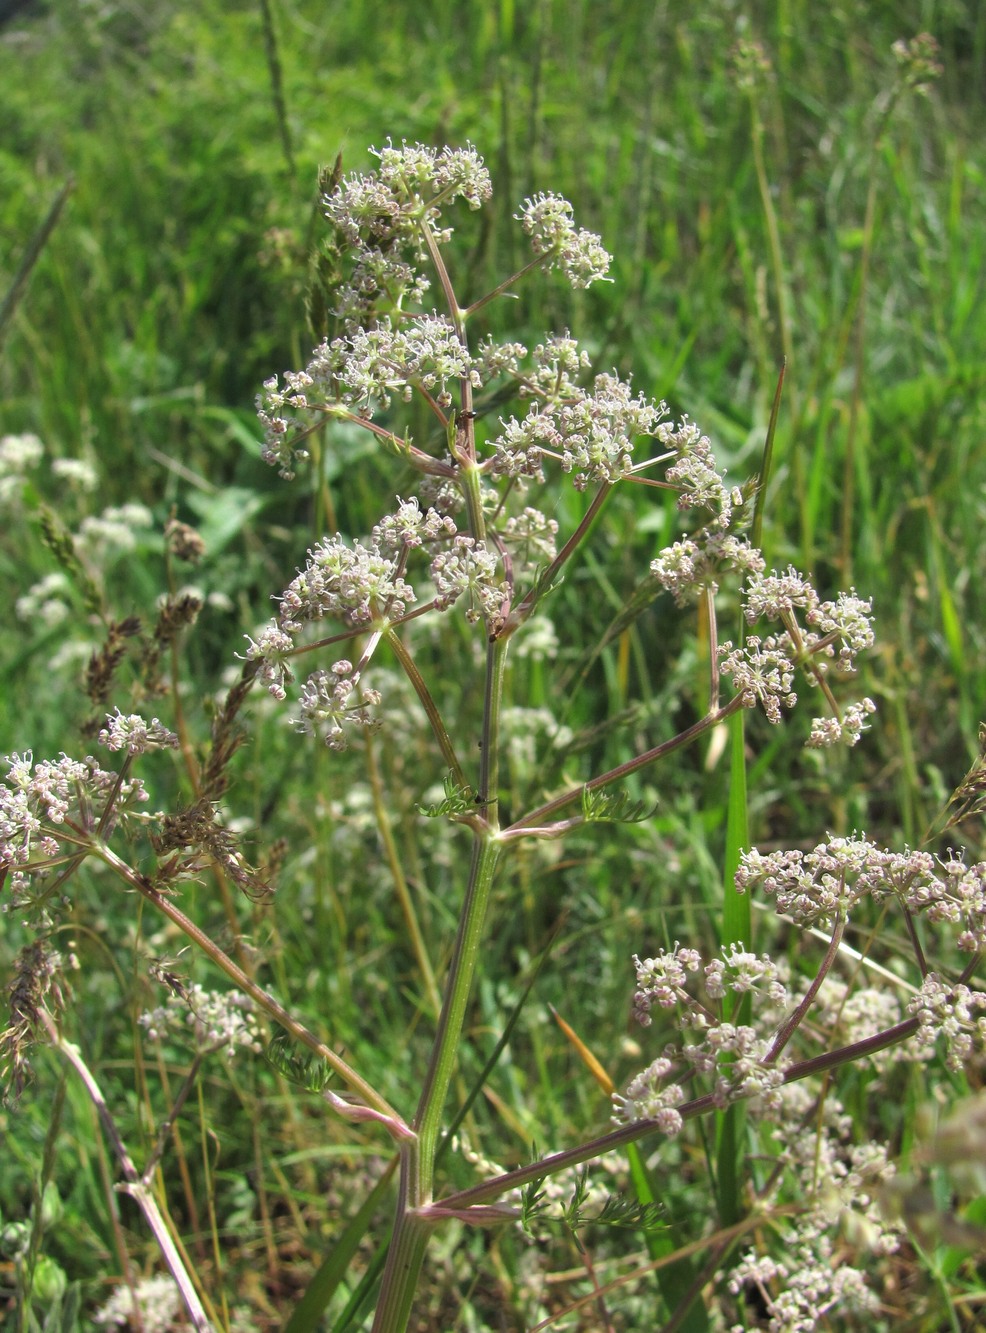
[(810, 217)]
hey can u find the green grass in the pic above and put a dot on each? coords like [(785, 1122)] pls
[(174, 283)]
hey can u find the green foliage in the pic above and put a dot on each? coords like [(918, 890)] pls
[(613, 808), (189, 262), (301, 1067), (457, 801)]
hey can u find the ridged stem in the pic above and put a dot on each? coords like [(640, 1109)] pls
[(412, 1227)]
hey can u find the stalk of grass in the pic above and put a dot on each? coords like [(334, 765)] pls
[(737, 924), (32, 254), (736, 929), (406, 901), (676, 1281), (196, 1302), (308, 1313), (25, 1269), (273, 56), (856, 471)]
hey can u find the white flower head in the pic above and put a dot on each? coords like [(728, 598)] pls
[(548, 220), (132, 733), (218, 1021)]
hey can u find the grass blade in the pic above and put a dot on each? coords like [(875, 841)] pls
[(307, 1314), (31, 256)]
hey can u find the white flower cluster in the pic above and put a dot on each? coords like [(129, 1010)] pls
[(409, 527), (827, 731), (763, 669), (663, 981), (18, 453), (46, 601), (557, 365), (219, 1021), (331, 700), (742, 973), (800, 1292), (76, 471), (688, 567), (532, 533), (840, 1228), (700, 483), (950, 1012), (36, 798), (649, 1096), (958, 896), (362, 585), (132, 733), (548, 220), (280, 449), (468, 569), (736, 1054), (495, 359), (817, 886), (589, 434), (598, 431), (381, 217), (844, 623), (762, 672), (447, 174), (812, 632), (272, 650), (730, 1057), (370, 365), (388, 223), (153, 1304), (113, 532), (356, 584), (775, 595)]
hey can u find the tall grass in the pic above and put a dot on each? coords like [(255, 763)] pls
[(786, 218)]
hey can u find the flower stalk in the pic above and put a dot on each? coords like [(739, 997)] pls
[(472, 543)]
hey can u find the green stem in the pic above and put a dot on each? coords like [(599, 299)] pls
[(538, 261), (32, 254), (859, 362), (736, 929), (418, 1154), (851, 462)]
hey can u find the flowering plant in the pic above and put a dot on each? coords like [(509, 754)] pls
[(471, 541)]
